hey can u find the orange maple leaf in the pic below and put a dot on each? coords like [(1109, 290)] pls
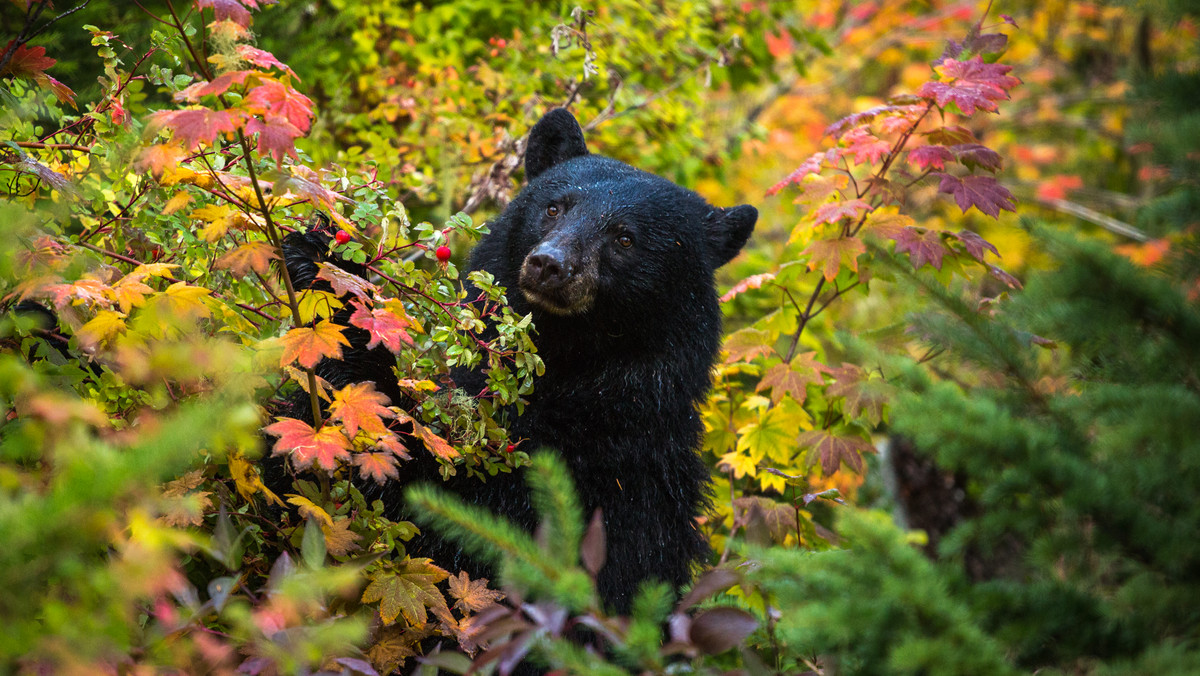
[(256, 256), (376, 466), (276, 98), (360, 406), (309, 345), (472, 595), (832, 254), (305, 445)]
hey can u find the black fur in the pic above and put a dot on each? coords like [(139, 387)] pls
[(616, 266)]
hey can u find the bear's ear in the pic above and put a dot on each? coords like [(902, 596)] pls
[(727, 231), (555, 138)]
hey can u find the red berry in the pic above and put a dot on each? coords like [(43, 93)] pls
[(443, 253), (341, 237), (511, 448)]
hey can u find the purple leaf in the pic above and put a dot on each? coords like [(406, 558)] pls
[(974, 155), (982, 192), (975, 245), (593, 550)]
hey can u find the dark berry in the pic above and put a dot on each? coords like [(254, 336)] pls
[(341, 237), (443, 253)]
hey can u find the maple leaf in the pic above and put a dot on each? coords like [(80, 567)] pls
[(969, 85), (157, 159), (751, 282), (339, 539), (1009, 281), (832, 254), (325, 446), (887, 223), (263, 59), (183, 301), (247, 480), (862, 397), (864, 146), (472, 596), (435, 444), (810, 166), (195, 125), (922, 246), (738, 462), (982, 192), (276, 137), (383, 325), (359, 406), (930, 156), (217, 86), (275, 98), (377, 466), (233, 10), (343, 282), (32, 62), (182, 509), (792, 380), (832, 450), (315, 303), (309, 345), (408, 591), (391, 443), (975, 245), (304, 182), (746, 344), (251, 256), (86, 291), (773, 433), (950, 135), (975, 155), (836, 211), (130, 292), (817, 189), (102, 328), (311, 510)]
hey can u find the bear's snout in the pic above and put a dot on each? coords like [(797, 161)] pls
[(546, 270), (550, 280)]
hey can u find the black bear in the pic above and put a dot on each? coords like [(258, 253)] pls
[(616, 266)]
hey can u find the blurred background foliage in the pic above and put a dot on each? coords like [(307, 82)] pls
[(1032, 504)]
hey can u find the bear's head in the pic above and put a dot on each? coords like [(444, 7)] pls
[(592, 237)]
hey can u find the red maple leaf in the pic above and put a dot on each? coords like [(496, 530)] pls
[(810, 166), (383, 325), (969, 85), (922, 246), (377, 466), (233, 10), (264, 59), (276, 137), (975, 245), (193, 125), (324, 446), (751, 282), (836, 211), (32, 62), (360, 406), (982, 192), (276, 98), (215, 87), (864, 146), (930, 156)]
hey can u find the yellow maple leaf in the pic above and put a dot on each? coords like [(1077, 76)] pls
[(308, 508), (247, 480), (102, 328), (178, 201), (309, 345)]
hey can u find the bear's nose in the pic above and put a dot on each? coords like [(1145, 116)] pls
[(546, 269)]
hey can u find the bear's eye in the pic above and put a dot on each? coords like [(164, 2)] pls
[(552, 211), (625, 241)]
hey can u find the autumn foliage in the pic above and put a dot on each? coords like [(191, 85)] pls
[(150, 331)]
